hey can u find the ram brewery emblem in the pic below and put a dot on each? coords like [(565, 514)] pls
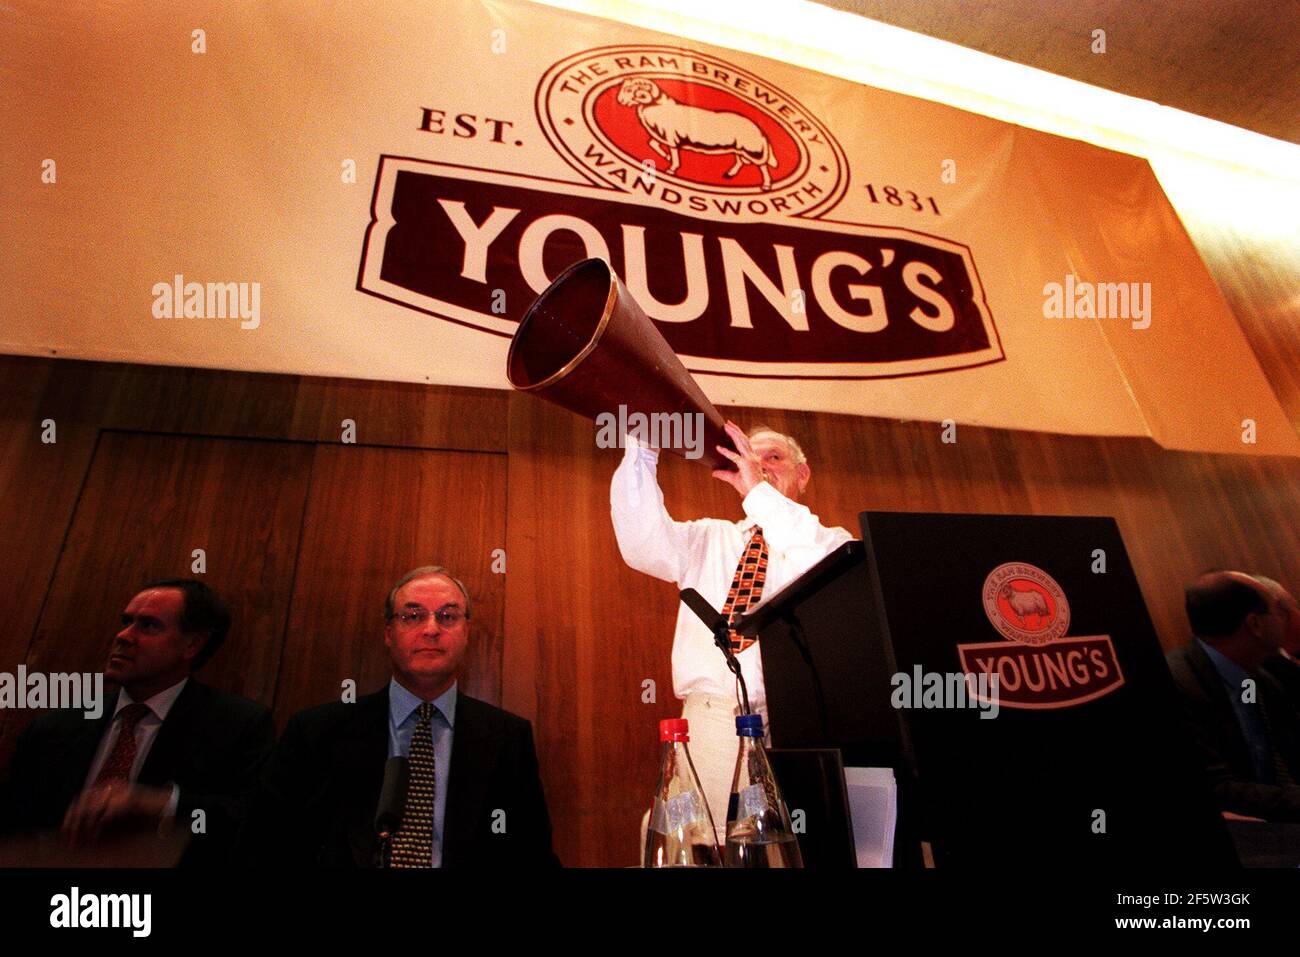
[(1025, 604), (674, 126)]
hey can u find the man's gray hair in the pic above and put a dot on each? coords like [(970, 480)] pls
[(424, 571), (795, 449), (1276, 588)]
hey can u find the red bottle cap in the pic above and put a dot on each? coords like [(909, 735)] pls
[(674, 729)]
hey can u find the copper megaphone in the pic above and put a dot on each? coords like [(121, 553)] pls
[(586, 345)]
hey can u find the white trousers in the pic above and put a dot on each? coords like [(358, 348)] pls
[(713, 748)]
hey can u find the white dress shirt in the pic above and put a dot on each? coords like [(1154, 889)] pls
[(703, 555), (146, 731)]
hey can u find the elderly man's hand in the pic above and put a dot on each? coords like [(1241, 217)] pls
[(109, 804), (749, 467)]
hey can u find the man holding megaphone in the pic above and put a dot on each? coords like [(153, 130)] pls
[(734, 565), (585, 344)]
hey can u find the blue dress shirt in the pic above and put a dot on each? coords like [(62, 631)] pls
[(1248, 715), (402, 718)]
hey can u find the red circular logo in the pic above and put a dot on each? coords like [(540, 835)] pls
[(689, 131), (1025, 604), (696, 134)]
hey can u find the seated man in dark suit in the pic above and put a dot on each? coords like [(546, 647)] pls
[(1241, 724), (473, 796), (1285, 665), (165, 749)]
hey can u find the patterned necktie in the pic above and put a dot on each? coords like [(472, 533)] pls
[(746, 586), (413, 841), (122, 758)]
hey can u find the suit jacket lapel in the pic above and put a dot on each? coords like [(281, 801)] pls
[(473, 755), (1212, 684), (1210, 680), (74, 766), (175, 738), (363, 752)]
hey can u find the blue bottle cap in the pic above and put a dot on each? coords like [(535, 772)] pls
[(749, 725)]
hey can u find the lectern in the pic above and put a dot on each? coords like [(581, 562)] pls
[(1006, 668)]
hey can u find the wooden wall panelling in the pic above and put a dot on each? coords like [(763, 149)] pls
[(148, 502), (402, 414), (39, 485), (201, 402), (372, 515), (38, 488), (584, 632), (304, 408)]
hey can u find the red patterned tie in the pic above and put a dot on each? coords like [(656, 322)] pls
[(122, 757), (746, 586)]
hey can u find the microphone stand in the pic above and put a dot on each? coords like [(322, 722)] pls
[(384, 839), (388, 815), (721, 637)]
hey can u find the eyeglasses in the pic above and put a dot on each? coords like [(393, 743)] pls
[(448, 616)]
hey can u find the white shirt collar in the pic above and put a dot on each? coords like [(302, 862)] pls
[(160, 704)]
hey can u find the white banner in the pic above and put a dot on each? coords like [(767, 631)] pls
[(379, 191)]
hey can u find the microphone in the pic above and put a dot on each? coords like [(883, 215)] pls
[(721, 629), (392, 799), (712, 619)]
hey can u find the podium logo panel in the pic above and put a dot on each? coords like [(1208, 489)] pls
[(1025, 604), (1061, 674), (1038, 666)]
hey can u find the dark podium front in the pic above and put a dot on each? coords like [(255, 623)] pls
[(1074, 757)]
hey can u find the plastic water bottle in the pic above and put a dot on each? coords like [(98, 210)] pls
[(759, 832), (681, 828)]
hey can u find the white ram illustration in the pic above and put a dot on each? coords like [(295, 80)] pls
[(1024, 603), (676, 126)]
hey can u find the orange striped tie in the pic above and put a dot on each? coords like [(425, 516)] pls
[(747, 586), (413, 841)]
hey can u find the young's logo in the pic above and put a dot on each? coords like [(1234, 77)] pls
[(1038, 667), (673, 127), (1025, 604), (690, 130), (709, 191)]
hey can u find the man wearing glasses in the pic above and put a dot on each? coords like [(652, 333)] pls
[(473, 795)]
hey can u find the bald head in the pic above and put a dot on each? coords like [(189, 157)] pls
[(1274, 588), (1290, 609), (1218, 603), (1237, 614)]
